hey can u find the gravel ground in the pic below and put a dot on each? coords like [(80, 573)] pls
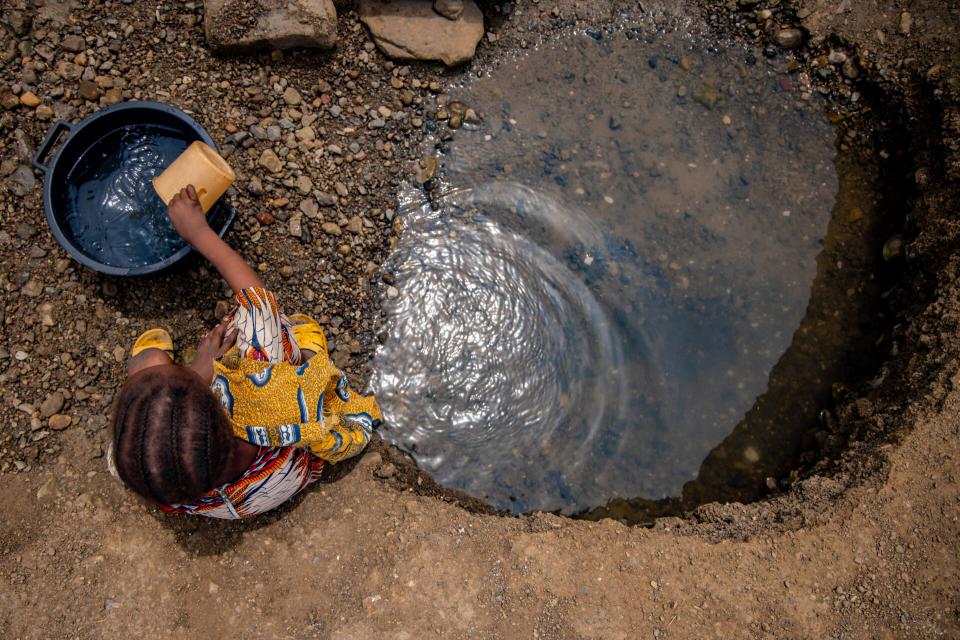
[(862, 545)]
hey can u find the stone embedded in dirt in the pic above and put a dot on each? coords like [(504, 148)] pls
[(304, 184), (29, 99), (89, 90), (836, 57), (73, 43), (355, 226), (22, 181), (20, 22), (292, 97), (906, 23), (59, 422), (33, 288), (309, 208), (46, 309), (9, 101), (296, 225), (48, 489), (325, 199), (449, 9), (241, 26), (269, 161), (789, 38), (113, 96), (386, 471), (68, 70), (412, 30), (331, 228), (52, 404)]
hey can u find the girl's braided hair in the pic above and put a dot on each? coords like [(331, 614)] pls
[(171, 437)]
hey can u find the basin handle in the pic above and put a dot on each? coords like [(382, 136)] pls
[(51, 139)]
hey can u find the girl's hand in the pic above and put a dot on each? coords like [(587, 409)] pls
[(213, 345), (186, 215)]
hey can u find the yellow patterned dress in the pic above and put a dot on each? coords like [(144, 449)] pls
[(274, 399)]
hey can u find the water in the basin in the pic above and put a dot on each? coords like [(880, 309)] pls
[(116, 216), (623, 250)]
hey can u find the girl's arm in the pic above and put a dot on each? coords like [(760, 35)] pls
[(188, 219)]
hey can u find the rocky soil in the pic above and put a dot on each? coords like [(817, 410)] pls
[(862, 544)]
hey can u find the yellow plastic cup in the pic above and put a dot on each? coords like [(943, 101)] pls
[(200, 166)]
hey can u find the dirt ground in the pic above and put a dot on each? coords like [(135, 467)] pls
[(863, 543)]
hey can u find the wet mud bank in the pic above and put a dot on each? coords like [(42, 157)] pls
[(876, 348)]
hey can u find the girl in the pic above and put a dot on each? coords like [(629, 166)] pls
[(252, 420)]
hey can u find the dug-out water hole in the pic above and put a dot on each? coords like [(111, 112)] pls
[(647, 269)]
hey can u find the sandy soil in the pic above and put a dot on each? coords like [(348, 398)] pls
[(864, 545), (359, 558)]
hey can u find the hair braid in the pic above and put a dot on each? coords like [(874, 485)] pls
[(172, 440), (175, 419)]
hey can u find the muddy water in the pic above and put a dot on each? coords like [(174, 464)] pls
[(592, 302)]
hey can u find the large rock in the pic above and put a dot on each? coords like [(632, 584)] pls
[(412, 30), (241, 26)]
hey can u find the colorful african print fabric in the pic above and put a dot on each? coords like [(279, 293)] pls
[(282, 402), (276, 475), (264, 333), (300, 413)]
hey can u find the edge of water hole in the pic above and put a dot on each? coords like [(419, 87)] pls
[(865, 422)]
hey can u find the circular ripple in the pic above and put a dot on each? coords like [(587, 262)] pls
[(493, 346)]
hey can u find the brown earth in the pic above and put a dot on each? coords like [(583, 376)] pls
[(862, 545)]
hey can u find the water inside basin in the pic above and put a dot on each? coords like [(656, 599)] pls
[(115, 215)]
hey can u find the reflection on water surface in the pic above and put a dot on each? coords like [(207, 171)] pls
[(623, 250)]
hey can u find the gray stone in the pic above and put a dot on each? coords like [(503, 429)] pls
[(411, 29), (240, 26), (310, 209), (22, 181)]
